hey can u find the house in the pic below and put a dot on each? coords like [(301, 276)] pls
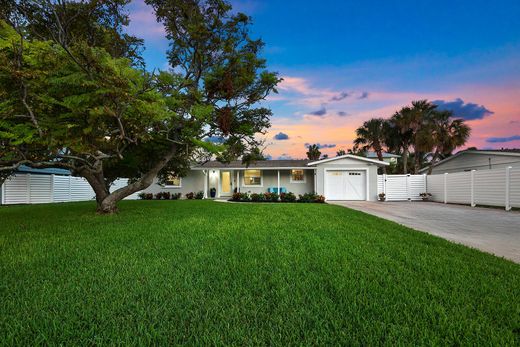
[(477, 160), (346, 177), (387, 157)]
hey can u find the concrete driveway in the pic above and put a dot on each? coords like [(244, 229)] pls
[(491, 230)]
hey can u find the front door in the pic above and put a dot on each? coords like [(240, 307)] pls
[(225, 183)]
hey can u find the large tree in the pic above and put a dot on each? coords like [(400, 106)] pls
[(313, 152), (83, 105)]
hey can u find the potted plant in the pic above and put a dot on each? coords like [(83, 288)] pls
[(425, 196), (382, 196), (213, 192)]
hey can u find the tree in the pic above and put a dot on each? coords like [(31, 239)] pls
[(372, 135), (313, 152), (340, 152), (84, 106), (399, 135)]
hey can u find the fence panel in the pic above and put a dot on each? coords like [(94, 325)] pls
[(16, 190), (435, 186), (458, 188), (514, 187), (40, 189), (490, 187), (401, 187)]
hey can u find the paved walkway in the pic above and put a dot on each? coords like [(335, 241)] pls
[(492, 230)]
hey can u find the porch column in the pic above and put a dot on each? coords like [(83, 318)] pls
[(205, 183), (238, 181), (278, 171)]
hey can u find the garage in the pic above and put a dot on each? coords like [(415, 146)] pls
[(347, 177), (346, 184)]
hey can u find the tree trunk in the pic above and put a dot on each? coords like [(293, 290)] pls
[(434, 159), (379, 153), (405, 161), (108, 204)]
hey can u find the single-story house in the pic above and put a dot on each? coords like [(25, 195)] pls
[(477, 160), (346, 177)]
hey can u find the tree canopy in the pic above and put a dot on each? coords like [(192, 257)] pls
[(75, 95)]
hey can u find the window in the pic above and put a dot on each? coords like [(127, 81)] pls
[(173, 181), (252, 178), (297, 176)]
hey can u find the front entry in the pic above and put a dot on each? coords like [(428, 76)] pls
[(225, 183), (345, 185)]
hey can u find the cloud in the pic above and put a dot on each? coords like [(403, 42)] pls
[(281, 136), (503, 139), (321, 146), (340, 96), (284, 156), (363, 95), (319, 113), (467, 111), (342, 113)]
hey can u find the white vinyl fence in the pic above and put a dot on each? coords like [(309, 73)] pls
[(401, 187), (497, 187), (41, 189)]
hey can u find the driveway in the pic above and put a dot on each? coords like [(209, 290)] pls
[(491, 230)]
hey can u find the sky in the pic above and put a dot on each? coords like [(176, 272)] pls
[(343, 62)]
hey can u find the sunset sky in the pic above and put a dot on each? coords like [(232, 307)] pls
[(344, 62)]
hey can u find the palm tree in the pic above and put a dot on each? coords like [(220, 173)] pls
[(399, 135), (313, 152), (340, 152), (447, 134), (372, 135), (420, 122)]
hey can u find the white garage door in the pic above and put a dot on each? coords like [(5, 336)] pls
[(345, 185)]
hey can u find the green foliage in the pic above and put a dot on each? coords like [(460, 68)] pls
[(298, 274), (287, 197), (313, 152), (199, 195)]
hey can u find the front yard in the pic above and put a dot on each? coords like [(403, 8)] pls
[(201, 272)]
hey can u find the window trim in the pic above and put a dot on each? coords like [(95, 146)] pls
[(297, 182), (172, 186), (253, 185)]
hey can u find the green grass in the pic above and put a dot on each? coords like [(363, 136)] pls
[(201, 272)]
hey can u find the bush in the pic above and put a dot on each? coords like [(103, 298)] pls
[(176, 196), (257, 197), (320, 199), (273, 197), (199, 195), (145, 196), (244, 197), (235, 197), (307, 197), (190, 195), (288, 197)]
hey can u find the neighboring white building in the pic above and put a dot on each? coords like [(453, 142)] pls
[(387, 157), (476, 160), (347, 177)]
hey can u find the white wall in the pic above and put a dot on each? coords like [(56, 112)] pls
[(476, 161), (401, 187), (41, 189)]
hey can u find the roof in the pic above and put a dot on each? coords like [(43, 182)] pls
[(349, 156), (47, 171), (372, 155), (261, 164), (501, 152)]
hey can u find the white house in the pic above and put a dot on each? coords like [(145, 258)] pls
[(346, 177), (477, 160)]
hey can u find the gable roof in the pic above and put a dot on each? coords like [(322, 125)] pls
[(349, 156), (500, 152)]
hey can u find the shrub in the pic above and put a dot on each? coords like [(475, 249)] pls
[(244, 197), (235, 197), (382, 196), (273, 197), (145, 196), (190, 195), (320, 199), (257, 197), (176, 196), (199, 195), (288, 197), (307, 197)]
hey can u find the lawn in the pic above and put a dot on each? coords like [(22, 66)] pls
[(203, 272)]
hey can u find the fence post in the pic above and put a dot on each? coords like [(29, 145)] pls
[(508, 187), (472, 187), (445, 188), (70, 188), (384, 184)]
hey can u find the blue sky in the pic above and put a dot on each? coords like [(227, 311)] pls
[(346, 61)]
